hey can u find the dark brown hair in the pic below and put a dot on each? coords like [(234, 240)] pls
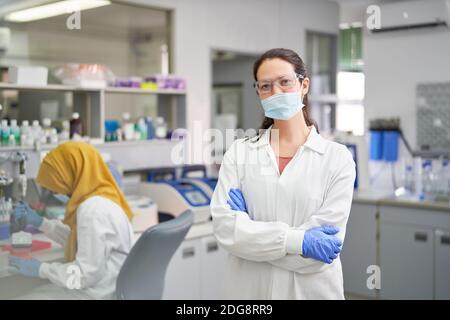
[(299, 67)]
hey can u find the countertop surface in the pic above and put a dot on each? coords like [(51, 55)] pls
[(379, 197), (56, 252)]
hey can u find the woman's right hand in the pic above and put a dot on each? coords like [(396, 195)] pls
[(321, 244), (24, 211)]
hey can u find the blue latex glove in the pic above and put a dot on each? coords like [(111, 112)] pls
[(23, 210), (237, 201), (29, 268), (321, 244)]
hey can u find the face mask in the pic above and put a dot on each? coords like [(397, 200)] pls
[(61, 198), (282, 106)]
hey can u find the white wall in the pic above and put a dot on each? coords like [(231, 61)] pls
[(395, 63), (250, 26)]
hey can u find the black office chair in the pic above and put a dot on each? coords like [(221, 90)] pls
[(143, 272)]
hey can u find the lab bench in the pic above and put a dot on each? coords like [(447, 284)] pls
[(195, 271), (408, 239)]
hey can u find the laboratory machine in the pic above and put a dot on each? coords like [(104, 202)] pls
[(174, 196), (207, 184)]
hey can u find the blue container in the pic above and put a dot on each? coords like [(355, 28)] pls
[(150, 128), (390, 146), (376, 145), (4, 231), (111, 125)]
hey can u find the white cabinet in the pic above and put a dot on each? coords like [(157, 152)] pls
[(359, 251), (183, 273), (414, 253), (442, 264), (196, 270), (213, 261), (406, 261)]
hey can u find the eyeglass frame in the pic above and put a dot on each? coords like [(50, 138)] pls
[(297, 76)]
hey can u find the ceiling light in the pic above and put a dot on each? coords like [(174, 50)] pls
[(54, 9)]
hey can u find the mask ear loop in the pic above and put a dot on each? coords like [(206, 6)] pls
[(300, 80)]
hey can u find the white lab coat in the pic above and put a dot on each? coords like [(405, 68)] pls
[(315, 189), (105, 236)]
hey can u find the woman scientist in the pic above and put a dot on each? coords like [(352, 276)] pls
[(96, 231), (284, 239)]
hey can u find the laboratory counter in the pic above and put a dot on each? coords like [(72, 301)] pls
[(13, 285), (405, 239), (388, 199)]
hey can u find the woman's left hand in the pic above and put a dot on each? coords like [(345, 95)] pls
[(26, 267), (237, 201)]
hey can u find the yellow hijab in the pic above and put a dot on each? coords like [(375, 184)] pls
[(78, 170)]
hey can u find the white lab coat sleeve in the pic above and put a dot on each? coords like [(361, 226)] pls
[(55, 230), (236, 232), (92, 252), (334, 211)]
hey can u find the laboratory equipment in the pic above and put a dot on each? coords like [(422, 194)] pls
[(5, 206), (141, 128), (428, 180), (409, 179), (36, 131), (357, 146), (145, 212), (21, 239), (160, 128), (5, 132), (28, 75), (176, 196), (15, 131), (150, 128), (207, 184), (384, 136), (127, 127), (65, 133), (26, 135), (111, 128), (47, 130), (75, 125), (84, 75)]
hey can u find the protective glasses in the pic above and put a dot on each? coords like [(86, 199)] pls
[(284, 83)]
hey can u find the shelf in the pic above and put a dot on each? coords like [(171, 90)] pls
[(115, 144), (67, 88), (144, 91), (49, 87)]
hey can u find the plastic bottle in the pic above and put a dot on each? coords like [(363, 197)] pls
[(36, 131), (26, 137), (428, 180), (142, 127), (160, 128), (150, 128), (6, 131), (53, 138), (409, 179), (65, 132), (76, 127), (445, 178), (47, 130), (15, 131), (127, 127)]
